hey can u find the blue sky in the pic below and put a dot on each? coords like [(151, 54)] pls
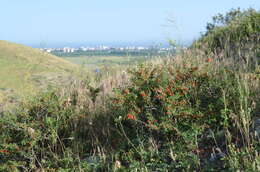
[(33, 22)]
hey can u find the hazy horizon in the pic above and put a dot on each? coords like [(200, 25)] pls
[(99, 43), (58, 23)]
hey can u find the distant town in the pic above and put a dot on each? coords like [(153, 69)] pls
[(102, 48), (107, 50)]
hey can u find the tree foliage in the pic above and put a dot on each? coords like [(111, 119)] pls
[(235, 34)]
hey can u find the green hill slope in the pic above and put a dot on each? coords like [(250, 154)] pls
[(24, 70)]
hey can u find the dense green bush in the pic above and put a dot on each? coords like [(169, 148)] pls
[(37, 132), (233, 35), (177, 110)]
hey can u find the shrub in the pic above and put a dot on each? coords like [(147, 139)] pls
[(233, 35), (181, 108)]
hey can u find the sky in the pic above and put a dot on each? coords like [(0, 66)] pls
[(75, 22)]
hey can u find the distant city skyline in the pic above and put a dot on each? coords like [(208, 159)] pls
[(161, 43), (48, 23)]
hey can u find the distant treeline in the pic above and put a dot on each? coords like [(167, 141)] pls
[(148, 53)]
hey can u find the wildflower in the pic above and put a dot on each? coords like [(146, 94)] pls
[(143, 94), (4, 151), (209, 60), (169, 92), (126, 91), (185, 88), (138, 111), (130, 116)]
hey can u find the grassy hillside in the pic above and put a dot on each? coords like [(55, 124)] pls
[(23, 69)]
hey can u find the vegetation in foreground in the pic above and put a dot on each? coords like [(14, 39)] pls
[(197, 111)]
